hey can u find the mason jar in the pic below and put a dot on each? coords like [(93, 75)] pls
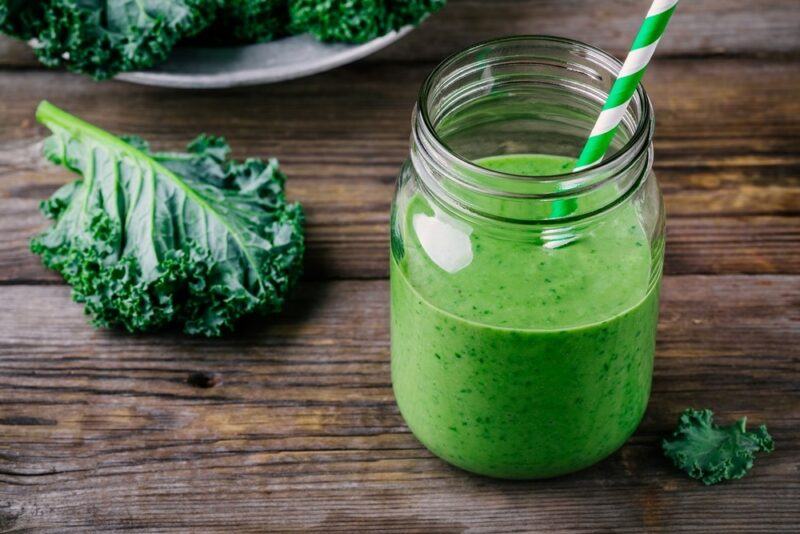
[(524, 296)]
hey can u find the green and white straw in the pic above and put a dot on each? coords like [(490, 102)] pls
[(627, 80)]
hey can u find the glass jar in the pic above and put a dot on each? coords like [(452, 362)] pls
[(524, 296)]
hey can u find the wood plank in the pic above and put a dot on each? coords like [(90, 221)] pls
[(698, 28), (15, 53), (725, 148), (724, 245), (101, 429), (291, 425), (709, 113)]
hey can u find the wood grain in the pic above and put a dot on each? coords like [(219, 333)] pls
[(736, 165), (301, 430), (697, 28), (291, 425)]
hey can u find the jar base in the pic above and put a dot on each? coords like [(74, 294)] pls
[(534, 474)]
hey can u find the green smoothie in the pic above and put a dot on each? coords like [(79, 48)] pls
[(515, 360)]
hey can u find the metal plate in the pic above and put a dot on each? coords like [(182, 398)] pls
[(284, 59)]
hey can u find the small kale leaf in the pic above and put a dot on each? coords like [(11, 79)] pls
[(150, 239), (713, 453)]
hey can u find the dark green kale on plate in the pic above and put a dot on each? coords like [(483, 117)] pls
[(356, 21), (714, 453), (247, 21), (104, 37), (150, 239), (350, 21), (403, 12)]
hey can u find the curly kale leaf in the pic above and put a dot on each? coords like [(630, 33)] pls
[(404, 12), (149, 239), (350, 21), (712, 453), (104, 37), (247, 21), (356, 21)]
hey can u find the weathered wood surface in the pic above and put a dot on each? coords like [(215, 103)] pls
[(301, 431), (291, 425), (737, 165)]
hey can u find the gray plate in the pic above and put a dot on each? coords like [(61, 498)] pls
[(284, 59)]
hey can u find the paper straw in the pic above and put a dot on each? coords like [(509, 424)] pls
[(627, 80)]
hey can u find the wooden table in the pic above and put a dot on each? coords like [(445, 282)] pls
[(298, 429)]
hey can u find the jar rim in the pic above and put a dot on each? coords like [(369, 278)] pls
[(643, 123)]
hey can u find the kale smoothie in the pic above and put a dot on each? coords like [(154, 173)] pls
[(517, 360)]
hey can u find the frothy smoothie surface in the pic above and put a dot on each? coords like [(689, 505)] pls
[(515, 360)]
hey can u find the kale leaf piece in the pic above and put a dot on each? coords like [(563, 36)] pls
[(104, 37), (150, 239), (356, 21), (712, 453), (404, 12), (247, 21), (350, 21)]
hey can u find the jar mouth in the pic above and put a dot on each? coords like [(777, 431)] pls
[(569, 183)]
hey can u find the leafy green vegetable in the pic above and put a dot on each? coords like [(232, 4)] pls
[(356, 21), (350, 21), (149, 239), (712, 453), (248, 21), (104, 37), (404, 12)]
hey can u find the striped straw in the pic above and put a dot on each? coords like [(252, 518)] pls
[(627, 80)]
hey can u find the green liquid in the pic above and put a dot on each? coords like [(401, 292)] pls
[(524, 361)]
